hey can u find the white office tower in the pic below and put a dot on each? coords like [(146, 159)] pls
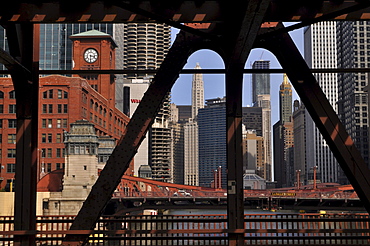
[(197, 93), (191, 161), (264, 102), (320, 48)]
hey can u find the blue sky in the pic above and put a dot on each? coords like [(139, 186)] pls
[(214, 84)]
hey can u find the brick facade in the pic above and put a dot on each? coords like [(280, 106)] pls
[(62, 101)]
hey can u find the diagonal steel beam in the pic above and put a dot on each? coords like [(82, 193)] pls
[(136, 129), (324, 116)]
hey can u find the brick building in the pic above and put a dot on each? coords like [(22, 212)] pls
[(62, 101)]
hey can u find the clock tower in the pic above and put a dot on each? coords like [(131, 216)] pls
[(95, 50)]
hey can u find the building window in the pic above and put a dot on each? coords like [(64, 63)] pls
[(59, 123), (1, 123), (1, 108), (50, 123), (12, 138), (43, 123), (47, 94), (59, 137), (12, 109), (1, 138), (65, 108), (59, 153), (50, 138), (12, 94), (50, 108), (65, 94), (60, 96), (12, 123), (43, 153), (58, 166), (44, 108), (50, 153), (11, 153), (43, 138), (59, 108), (49, 168), (1, 95), (64, 123), (10, 168)]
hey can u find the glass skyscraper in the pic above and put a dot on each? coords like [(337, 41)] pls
[(212, 140)]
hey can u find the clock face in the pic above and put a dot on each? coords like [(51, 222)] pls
[(90, 55)]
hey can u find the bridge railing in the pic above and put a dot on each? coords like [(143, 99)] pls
[(260, 229), (250, 193)]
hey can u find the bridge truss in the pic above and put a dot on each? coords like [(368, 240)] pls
[(229, 29)]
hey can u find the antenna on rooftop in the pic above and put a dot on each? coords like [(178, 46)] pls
[(261, 55)]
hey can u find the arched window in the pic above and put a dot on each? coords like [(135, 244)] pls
[(12, 94), (91, 104)]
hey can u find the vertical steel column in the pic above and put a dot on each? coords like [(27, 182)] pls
[(325, 118), (122, 155), (24, 39), (238, 42), (235, 195)]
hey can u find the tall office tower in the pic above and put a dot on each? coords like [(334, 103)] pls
[(285, 101), (197, 93), (283, 137), (264, 102), (354, 52), (191, 158), (320, 48), (261, 98), (299, 122), (260, 81), (212, 140), (191, 161)]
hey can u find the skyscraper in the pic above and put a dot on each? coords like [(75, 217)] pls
[(260, 81), (212, 140), (285, 101), (191, 157), (299, 129), (320, 48), (354, 52), (197, 93), (261, 98), (283, 137)]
